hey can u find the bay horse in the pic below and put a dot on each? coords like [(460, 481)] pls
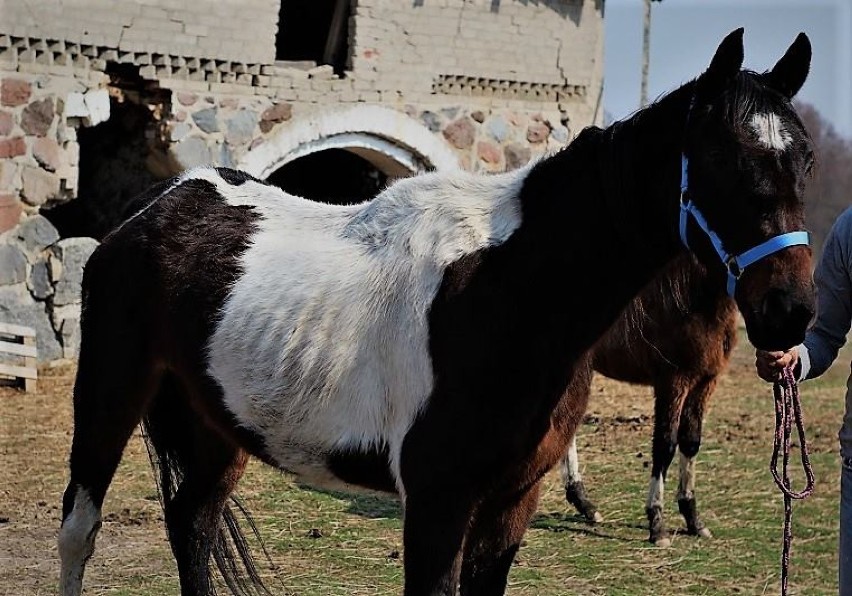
[(676, 336), (435, 340)]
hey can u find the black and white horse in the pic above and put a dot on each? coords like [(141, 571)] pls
[(434, 341)]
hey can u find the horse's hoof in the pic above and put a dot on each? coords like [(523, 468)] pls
[(663, 543), (596, 518), (704, 533)]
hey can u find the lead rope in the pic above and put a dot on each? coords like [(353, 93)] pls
[(788, 408)]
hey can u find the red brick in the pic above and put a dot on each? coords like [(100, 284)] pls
[(6, 123), (10, 211), (12, 147), (14, 92)]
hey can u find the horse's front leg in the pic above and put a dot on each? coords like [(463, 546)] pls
[(575, 488), (669, 395), (436, 522), (689, 442), (494, 538)]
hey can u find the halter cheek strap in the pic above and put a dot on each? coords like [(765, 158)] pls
[(734, 264)]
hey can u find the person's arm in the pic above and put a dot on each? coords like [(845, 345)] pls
[(834, 301)]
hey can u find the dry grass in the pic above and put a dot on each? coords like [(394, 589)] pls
[(360, 539)]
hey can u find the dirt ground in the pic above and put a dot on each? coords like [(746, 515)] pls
[(35, 435)]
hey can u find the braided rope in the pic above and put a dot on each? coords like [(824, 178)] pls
[(788, 408)]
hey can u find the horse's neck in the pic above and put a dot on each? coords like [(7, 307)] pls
[(607, 206)]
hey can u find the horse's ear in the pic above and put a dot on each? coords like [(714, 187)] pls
[(792, 69), (724, 67)]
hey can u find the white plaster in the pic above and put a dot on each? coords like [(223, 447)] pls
[(77, 542), (770, 131), (378, 129), (75, 106), (97, 102), (323, 341)]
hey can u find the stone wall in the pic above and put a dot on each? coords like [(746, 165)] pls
[(227, 131), (39, 157), (40, 278)]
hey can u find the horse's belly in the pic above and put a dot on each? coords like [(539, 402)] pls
[(349, 470)]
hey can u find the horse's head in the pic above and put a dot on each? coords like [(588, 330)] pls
[(747, 157)]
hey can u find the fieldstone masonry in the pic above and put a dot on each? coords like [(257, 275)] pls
[(477, 84)]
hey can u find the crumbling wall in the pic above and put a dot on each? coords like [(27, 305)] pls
[(241, 30)]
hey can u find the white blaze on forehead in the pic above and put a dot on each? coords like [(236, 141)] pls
[(770, 131)]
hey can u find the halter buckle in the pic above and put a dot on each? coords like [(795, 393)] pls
[(733, 267)]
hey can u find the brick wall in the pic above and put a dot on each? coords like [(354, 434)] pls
[(242, 30)]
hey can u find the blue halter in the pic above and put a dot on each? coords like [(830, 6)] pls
[(734, 264)]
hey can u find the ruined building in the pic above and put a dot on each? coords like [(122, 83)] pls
[(329, 99)]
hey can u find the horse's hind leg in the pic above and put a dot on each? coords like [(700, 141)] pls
[(575, 488), (113, 387), (689, 441), (493, 540), (199, 468), (669, 395)]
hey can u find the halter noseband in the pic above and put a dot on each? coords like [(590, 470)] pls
[(734, 264)]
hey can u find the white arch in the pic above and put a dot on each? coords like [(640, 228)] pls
[(392, 141)]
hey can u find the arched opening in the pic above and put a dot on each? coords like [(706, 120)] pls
[(333, 176), (340, 176), (393, 142)]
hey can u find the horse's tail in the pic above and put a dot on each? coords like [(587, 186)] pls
[(164, 428)]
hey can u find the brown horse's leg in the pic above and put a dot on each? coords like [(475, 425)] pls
[(689, 441), (116, 378), (493, 541), (669, 396), (575, 488)]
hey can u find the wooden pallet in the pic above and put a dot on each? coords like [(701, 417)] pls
[(19, 342)]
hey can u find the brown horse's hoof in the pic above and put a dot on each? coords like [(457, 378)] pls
[(662, 542), (596, 518), (704, 533)]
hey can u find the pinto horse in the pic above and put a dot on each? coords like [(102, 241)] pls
[(677, 337), (435, 340)]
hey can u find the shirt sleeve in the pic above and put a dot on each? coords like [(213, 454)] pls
[(833, 277)]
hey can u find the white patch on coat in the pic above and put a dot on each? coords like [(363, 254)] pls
[(77, 542), (686, 484), (570, 465), (323, 342), (770, 131), (656, 490)]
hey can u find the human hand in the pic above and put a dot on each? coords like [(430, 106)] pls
[(770, 364)]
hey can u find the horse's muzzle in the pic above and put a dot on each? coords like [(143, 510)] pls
[(780, 319)]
